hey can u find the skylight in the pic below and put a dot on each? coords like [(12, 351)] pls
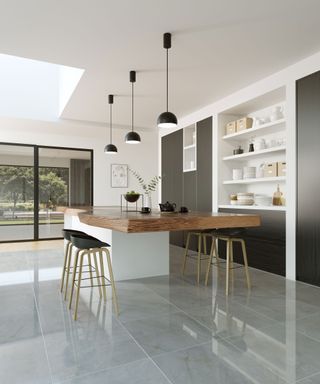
[(35, 89)]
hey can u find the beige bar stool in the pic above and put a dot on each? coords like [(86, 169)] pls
[(67, 268), (230, 236), (202, 239), (87, 247)]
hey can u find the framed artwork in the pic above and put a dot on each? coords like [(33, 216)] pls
[(119, 175)]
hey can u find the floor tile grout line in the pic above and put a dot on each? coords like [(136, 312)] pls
[(145, 352), (99, 371), (307, 377)]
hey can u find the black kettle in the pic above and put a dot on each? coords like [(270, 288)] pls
[(167, 207)]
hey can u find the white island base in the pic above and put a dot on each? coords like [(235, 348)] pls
[(134, 255)]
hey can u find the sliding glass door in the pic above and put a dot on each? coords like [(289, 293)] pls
[(16, 192), (64, 179), (34, 181)]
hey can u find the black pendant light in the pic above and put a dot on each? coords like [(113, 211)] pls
[(110, 148), (167, 119), (132, 137)]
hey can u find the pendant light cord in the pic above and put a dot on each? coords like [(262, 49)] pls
[(110, 123), (132, 106), (167, 80)]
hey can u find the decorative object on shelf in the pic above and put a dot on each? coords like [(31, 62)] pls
[(167, 119), (270, 170), (233, 199), (167, 207), (249, 172), (260, 170), (245, 198), (238, 151), (277, 197), (251, 147), (260, 144), (132, 137), (271, 143), (262, 200), (119, 175), (110, 148), (231, 128), (277, 113), (131, 196), (237, 174), (282, 168), (244, 123), (148, 188)]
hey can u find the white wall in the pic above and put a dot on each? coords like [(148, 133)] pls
[(286, 77), (142, 158)]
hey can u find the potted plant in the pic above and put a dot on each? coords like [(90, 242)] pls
[(132, 196), (148, 188)]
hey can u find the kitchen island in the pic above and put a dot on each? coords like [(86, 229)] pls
[(140, 242)]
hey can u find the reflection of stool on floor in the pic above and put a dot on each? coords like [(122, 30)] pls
[(202, 238), (67, 258), (230, 236), (87, 247)]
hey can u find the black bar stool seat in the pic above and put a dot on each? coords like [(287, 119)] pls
[(82, 241)]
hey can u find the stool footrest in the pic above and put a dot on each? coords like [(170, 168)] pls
[(94, 285)]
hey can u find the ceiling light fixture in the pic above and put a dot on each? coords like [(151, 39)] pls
[(132, 137), (167, 119), (110, 148)]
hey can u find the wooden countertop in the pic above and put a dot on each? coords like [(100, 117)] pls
[(136, 222)]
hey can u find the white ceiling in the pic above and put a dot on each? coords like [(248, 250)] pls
[(218, 47)]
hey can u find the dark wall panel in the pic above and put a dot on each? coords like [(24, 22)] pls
[(266, 245), (308, 180), (204, 165), (172, 174)]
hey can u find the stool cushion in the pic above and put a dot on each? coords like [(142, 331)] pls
[(66, 233), (87, 242), (229, 232)]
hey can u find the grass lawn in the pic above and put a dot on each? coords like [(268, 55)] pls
[(30, 222)]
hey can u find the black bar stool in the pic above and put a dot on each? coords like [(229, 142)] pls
[(202, 238), (230, 236), (66, 271), (88, 246)]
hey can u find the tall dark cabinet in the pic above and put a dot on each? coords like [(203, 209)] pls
[(192, 189), (308, 180)]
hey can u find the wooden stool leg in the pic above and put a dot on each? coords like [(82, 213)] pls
[(113, 286), (79, 283), (204, 244), (245, 260), (74, 276), (212, 251), (96, 265), (102, 275), (90, 270), (185, 254), (66, 254), (231, 263), (228, 265), (199, 258)]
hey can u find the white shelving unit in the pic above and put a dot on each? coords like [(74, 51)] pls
[(276, 179), (190, 148), (274, 134)]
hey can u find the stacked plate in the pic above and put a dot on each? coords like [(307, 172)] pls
[(245, 198), (249, 172), (264, 200)]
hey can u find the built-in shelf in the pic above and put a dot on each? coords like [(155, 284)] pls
[(255, 153), (256, 180), (255, 207), (243, 135), (190, 170), (190, 146)]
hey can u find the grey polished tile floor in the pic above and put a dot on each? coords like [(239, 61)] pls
[(169, 330)]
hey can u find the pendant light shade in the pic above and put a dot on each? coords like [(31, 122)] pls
[(167, 119), (110, 149), (132, 137)]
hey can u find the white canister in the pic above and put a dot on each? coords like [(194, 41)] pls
[(260, 144), (237, 174), (277, 114)]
